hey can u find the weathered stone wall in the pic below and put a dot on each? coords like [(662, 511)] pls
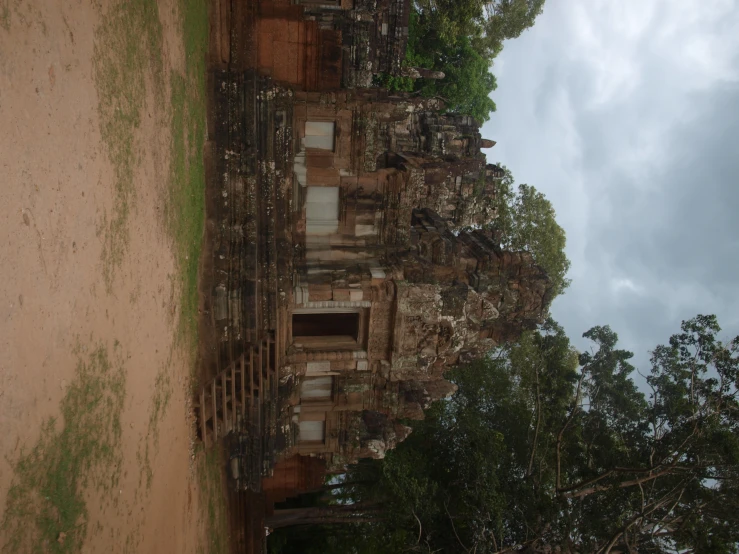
[(460, 295), (427, 292), (443, 298), (323, 46), (379, 35)]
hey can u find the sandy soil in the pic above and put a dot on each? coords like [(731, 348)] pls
[(56, 186)]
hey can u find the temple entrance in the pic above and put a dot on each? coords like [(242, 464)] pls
[(326, 330), (326, 324)]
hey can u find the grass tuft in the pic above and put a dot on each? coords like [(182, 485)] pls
[(210, 471), (5, 14), (46, 510), (186, 204), (128, 53), (149, 444)]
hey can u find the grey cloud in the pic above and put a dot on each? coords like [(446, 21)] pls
[(689, 226), (645, 183)]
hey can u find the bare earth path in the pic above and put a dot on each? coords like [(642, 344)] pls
[(95, 355)]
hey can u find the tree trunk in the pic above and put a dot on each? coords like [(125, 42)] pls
[(317, 515)]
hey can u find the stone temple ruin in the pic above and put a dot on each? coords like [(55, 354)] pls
[(348, 268)]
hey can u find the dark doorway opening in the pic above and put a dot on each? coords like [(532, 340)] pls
[(326, 325)]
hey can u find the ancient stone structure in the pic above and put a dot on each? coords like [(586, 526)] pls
[(322, 45), (347, 229), (391, 285)]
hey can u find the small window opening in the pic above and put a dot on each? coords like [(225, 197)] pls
[(320, 134), (316, 388), (326, 325), (322, 210), (312, 431)]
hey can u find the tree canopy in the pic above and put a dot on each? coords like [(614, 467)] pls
[(543, 450), (462, 38), (527, 221), (468, 81), (486, 23)]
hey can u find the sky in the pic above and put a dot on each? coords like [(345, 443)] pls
[(626, 115)]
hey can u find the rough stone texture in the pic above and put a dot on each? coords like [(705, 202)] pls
[(323, 46), (433, 293), (392, 254)]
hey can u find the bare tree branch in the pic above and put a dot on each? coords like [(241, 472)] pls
[(538, 423), (454, 528), (564, 428), (420, 527)]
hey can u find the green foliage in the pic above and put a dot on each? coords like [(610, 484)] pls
[(468, 82), (486, 23), (46, 506), (507, 19), (462, 38), (185, 209), (396, 84), (542, 450), (128, 46), (527, 221)]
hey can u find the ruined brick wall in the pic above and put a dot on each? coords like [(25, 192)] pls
[(298, 52), (299, 473), (326, 46), (379, 35)]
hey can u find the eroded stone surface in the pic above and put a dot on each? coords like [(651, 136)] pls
[(353, 220)]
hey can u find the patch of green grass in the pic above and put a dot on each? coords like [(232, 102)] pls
[(186, 203), (210, 469), (128, 56), (157, 410), (186, 207), (159, 401), (5, 14), (45, 509), (194, 14), (185, 220)]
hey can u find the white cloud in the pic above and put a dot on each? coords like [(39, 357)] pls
[(607, 51), (624, 284)]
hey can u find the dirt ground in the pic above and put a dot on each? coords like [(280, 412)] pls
[(96, 451)]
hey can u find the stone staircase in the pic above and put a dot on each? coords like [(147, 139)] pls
[(242, 402)]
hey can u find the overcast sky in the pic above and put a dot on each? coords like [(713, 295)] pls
[(626, 115)]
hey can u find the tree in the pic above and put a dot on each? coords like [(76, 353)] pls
[(486, 23), (527, 221), (541, 450), (663, 468), (507, 19), (467, 84), (461, 38)]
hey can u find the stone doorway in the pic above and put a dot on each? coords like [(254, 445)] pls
[(328, 329), (326, 324)]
